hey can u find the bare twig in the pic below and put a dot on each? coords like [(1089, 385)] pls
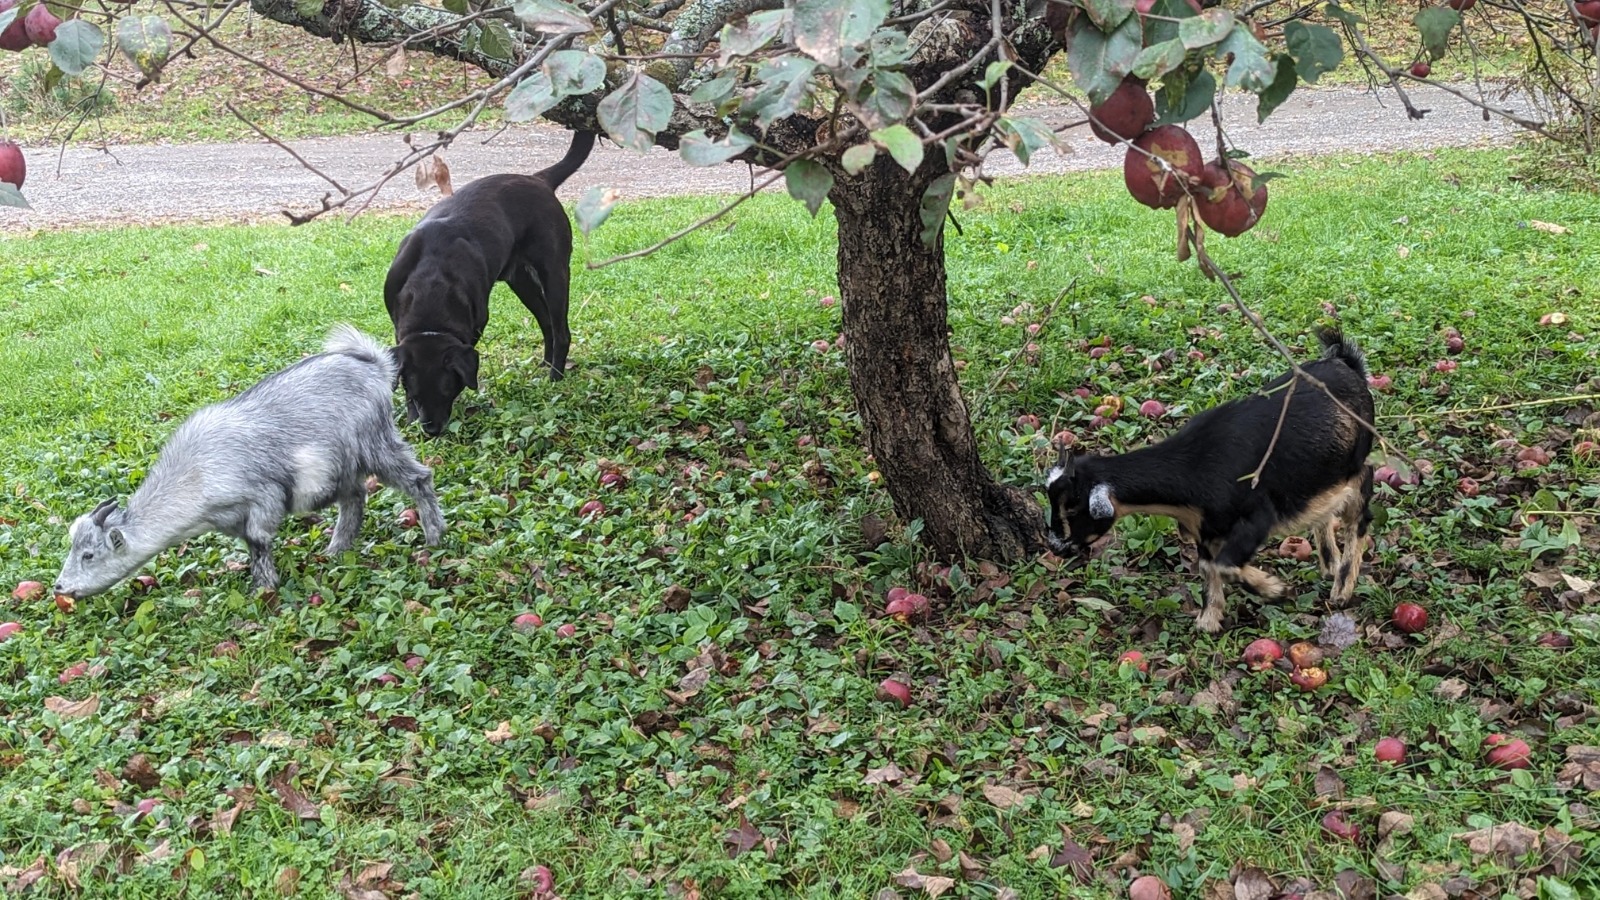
[(1000, 377), (1283, 413), (1498, 407), (284, 147)]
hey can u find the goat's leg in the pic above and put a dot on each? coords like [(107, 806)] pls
[(1354, 523), (352, 509), (260, 527), (401, 470), (1231, 562), (1327, 548)]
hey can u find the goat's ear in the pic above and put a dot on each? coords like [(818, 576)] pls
[(1100, 505), (116, 540)]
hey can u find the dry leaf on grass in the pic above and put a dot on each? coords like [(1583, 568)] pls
[(887, 775), (73, 709), (1003, 797), (1507, 842)]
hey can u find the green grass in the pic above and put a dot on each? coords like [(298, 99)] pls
[(693, 372)]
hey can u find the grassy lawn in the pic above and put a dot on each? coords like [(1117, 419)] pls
[(186, 105), (1029, 759)]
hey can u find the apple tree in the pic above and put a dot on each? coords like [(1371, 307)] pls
[(886, 110)]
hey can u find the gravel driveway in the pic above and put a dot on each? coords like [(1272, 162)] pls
[(257, 181)]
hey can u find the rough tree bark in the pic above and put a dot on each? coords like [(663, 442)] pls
[(897, 348)]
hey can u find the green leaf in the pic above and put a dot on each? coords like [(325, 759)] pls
[(890, 101), (1205, 29), (993, 73), (11, 195), (146, 41), (934, 206), (634, 112), (1108, 14), (698, 149), (76, 45), (574, 72), (594, 207), (1251, 68), (809, 182), (530, 98), (1180, 101), (902, 144), (845, 612), (863, 21), (752, 34), (1435, 23), (551, 16), (858, 157), (889, 48), (1158, 60), (1316, 49), (7, 16), (716, 90), (1161, 23), (1025, 135), (1282, 86), (786, 82), (459, 7), (495, 41), (823, 28), (1099, 61), (312, 9)]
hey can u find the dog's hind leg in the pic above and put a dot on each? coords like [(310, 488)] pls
[(545, 295)]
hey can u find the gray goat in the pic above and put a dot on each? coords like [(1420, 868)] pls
[(300, 439)]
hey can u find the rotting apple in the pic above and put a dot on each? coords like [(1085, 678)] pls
[(1410, 617), (1262, 653), (892, 690)]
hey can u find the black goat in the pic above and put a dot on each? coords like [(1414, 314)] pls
[(1316, 475)]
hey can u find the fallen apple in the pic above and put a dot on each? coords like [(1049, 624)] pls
[(821, 346), (28, 591), (1380, 382), (889, 689), (72, 673), (1295, 548), (388, 679), (539, 879), (144, 584), (146, 806), (1421, 69), (1555, 640), (413, 663), (527, 622), (1410, 618), (567, 630), (65, 603), (1098, 352), (228, 649), (1536, 455), (1149, 887), (613, 480), (907, 607), (592, 508), (7, 629), (1027, 422), (1468, 487), (1554, 318), (1445, 365), (1134, 658), (408, 518), (1262, 653), (1388, 475), (1338, 824), (1309, 679), (1506, 752), (828, 301), (1063, 439), (1152, 409), (1586, 451), (1390, 750), (1305, 655)]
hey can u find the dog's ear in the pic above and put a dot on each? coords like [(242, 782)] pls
[(401, 360), (464, 361)]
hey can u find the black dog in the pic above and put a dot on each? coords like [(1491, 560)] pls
[(507, 228)]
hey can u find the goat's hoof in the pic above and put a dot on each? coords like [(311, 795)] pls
[(1209, 622)]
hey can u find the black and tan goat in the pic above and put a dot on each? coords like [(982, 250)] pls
[(1315, 476)]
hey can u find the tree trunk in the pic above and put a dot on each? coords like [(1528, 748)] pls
[(897, 348)]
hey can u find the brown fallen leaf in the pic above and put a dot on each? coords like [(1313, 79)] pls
[(744, 838), (288, 882), (971, 869), (139, 771), (1076, 859), (1505, 843), (1328, 784), (15, 879), (676, 598), (290, 797), (73, 709), (498, 734), (889, 774), (1253, 884), (74, 863), (155, 854), (1547, 227), (434, 171), (395, 66), (1003, 797)]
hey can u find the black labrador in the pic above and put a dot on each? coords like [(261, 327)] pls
[(507, 228)]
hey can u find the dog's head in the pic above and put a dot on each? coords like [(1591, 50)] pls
[(434, 370), (1081, 511)]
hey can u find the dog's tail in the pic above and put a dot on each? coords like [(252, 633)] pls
[(577, 152)]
